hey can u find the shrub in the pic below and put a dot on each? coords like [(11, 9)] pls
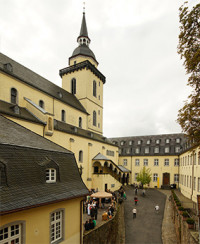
[(181, 208), (190, 221), (178, 204)]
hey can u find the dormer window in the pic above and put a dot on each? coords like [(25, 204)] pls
[(50, 175), (130, 143), (178, 140), (139, 142), (167, 140), (158, 141), (148, 141)]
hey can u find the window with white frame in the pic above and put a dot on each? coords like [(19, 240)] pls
[(194, 183), (190, 181), (125, 162), (155, 177), (167, 140), (177, 149), (156, 150), (122, 143), (148, 142), (139, 142), (56, 226), (128, 150), (137, 162), (156, 162), (130, 143), (198, 184), (176, 162), (137, 150), (176, 178), (166, 162), (50, 175), (11, 234), (166, 149), (178, 140), (146, 150), (158, 141), (136, 174), (187, 180), (195, 155), (145, 162)]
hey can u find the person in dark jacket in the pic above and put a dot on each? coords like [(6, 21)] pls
[(91, 224), (86, 225)]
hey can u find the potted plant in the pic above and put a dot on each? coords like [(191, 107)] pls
[(190, 223), (181, 209), (185, 215)]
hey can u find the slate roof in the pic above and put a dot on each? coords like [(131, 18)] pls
[(18, 112), (14, 134), (33, 79), (126, 147), (24, 156), (100, 156), (123, 169)]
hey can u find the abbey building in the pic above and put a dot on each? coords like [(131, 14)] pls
[(71, 117)]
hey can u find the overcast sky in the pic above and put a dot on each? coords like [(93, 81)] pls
[(134, 41)]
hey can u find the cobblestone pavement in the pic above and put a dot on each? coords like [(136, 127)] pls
[(147, 226), (168, 229)]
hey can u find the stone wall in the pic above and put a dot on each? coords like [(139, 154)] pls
[(110, 231), (184, 234)]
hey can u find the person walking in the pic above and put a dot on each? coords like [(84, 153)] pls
[(136, 191), (157, 208), (135, 200), (134, 212)]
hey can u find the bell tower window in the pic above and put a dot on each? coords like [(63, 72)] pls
[(94, 118), (94, 88), (73, 86)]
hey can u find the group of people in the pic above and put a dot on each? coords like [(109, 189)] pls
[(91, 206)]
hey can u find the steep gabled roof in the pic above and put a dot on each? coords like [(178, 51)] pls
[(33, 79)]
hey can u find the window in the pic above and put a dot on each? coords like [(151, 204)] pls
[(166, 149), (136, 174), (156, 162), (148, 141), (94, 88), (195, 155), (146, 150), (50, 121), (80, 157), (80, 122), (167, 140), (137, 162), (11, 234), (176, 162), (187, 180), (63, 115), (166, 163), (158, 141), (122, 143), (156, 150), (128, 150), (73, 86), (139, 142), (56, 226), (94, 118), (125, 162), (176, 178), (145, 162), (13, 97), (198, 189), (137, 150), (50, 175), (110, 153), (190, 181), (177, 149), (199, 158), (194, 183), (41, 104), (130, 143), (155, 177), (178, 140)]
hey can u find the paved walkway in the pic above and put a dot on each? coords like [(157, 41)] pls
[(147, 226)]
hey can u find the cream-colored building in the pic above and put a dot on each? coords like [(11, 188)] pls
[(72, 117)]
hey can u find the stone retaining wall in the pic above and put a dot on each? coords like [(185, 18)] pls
[(184, 234), (110, 231)]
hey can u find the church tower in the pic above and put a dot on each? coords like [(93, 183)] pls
[(85, 81)]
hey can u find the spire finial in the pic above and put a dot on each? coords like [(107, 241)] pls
[(84, 7)]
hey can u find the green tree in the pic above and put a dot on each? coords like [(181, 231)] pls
[(189, 50), (144, 177)]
